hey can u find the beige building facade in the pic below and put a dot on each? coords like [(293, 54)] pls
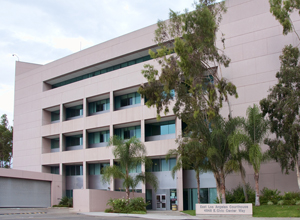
[(66, 110)]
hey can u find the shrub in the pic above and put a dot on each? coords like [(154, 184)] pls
[(236, 195), (119, 205), (109, 210), (65, 202), (291, 196), (270, 203), (138, 204), (269, 195), (298, 202), (280, 202), (126, 205)]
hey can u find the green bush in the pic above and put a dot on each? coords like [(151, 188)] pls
[(298, 202), (269, 195), (236, 195), (109, 210), (65, 202), (280, 202), (119, 205), (138, 204), (291, 196), (126, 205), (270, 203)]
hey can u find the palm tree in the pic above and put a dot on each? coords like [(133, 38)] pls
[(239, 154), (191, 154), (213, 135), (218, 153), (256, 128), (129, 154)]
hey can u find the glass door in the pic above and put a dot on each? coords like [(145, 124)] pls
[(161, 202)]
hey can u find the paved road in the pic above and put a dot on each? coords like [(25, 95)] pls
[(66, 214)]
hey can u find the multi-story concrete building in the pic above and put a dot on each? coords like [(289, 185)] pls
[(66, 110)]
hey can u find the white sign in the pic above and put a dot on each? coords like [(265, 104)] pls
[(224, 209)]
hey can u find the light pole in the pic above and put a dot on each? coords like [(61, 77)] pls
[(15, 55)]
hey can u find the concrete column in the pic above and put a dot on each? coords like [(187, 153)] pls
[(85, 107), (142, 101), (143, 130), (112, 181), (111, 101), (84, 139), (61, 142), (62, 172), (180, 189), (85, 174), (62, 113), (178, 125), (143, 184)]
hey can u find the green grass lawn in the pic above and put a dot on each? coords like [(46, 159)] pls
[(269, 211), (276, 211)]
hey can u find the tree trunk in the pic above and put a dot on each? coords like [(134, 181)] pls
[(223, 188), (218, 186), (298, 174), (127, 187), (243, 181), (198, 185), (256, 178)]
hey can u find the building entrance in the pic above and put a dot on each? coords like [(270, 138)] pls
[(161, 202)]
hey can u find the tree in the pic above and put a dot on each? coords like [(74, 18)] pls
[(282, 108), (191, 154), (190, 64), (282, 10), (6, 142), (129, 154), (256, 128)]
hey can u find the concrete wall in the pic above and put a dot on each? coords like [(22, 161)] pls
[(93, 200), (29, 189)]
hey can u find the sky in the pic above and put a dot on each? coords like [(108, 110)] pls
[(40, 31)]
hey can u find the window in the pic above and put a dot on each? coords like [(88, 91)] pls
[(55, 143), (99, 106), (75, 140), (127, 100), (69, 193), (98, 137), (129, 132), (137, 169), (160, 128), (97, 168), (159, 165), (108, 69), (74, 111), (55, 116), (55, 170), (74, 170)]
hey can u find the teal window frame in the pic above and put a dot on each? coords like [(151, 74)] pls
[(127, 100), (75, 140), (54, 143), (74, 111), (128, 132), (74, 170), (102, 71), (160, 165), (97, 168), (98, 137), (55, 170), (55, 116), (99, 106), (160, 128)]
